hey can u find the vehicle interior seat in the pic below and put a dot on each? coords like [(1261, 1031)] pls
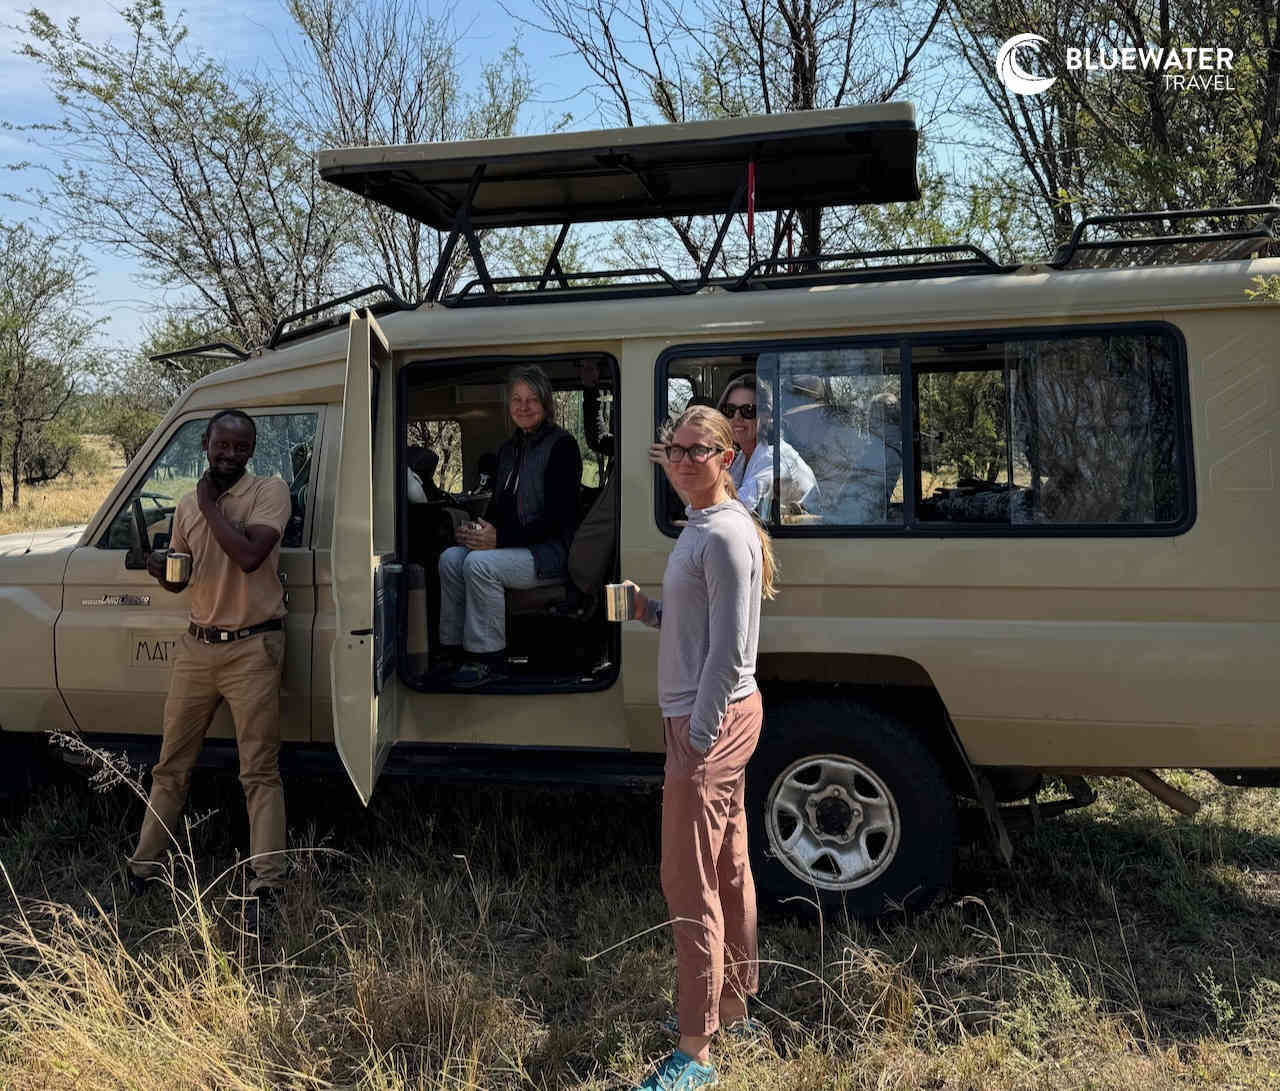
[(591, 558)]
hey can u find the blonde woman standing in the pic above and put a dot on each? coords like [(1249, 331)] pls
[(721, 567)]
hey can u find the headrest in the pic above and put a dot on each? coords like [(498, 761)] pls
[(809, 386)]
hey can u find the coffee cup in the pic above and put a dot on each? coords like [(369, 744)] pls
[(620, 601), (177, 567)]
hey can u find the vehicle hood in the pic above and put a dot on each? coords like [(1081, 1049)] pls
[(30, 544)]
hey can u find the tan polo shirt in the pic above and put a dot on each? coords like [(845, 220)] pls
[(221, 594)]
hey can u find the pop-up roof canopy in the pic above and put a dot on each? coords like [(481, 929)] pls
[(855, 155)]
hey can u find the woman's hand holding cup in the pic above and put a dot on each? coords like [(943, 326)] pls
[(625, 601), (480, 534)]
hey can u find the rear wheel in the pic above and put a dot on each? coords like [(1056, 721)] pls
[(847, 807), (27, 762)]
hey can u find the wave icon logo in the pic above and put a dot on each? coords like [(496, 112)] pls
[(1013, 75)]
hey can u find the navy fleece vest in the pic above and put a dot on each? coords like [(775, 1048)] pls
[(550, 557)]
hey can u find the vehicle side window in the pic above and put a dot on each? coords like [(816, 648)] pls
[(964, 469), (444, 438), (174, 473), (588, 417), (286, 442), (839, 458), (1008, 432), (679, 391), (1050, 431), (284, 448)]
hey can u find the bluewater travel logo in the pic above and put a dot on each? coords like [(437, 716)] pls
[(1185, 68), (1012, 74)]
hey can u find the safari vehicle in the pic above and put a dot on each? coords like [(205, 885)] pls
[(1042, 538)]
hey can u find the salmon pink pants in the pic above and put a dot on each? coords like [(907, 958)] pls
[(706, 874)]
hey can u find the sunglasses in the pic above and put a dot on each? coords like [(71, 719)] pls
[(698, 452), (747, 412)]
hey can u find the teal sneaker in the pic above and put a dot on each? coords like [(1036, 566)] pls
[(680, 1072)]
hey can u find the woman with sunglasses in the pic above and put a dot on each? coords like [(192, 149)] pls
[(720, 568), (747, 402)]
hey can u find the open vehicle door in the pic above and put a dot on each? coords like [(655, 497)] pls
[(366, 579)]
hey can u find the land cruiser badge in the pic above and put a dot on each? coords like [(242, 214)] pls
[(118, 600)]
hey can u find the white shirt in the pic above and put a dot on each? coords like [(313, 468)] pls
[(753, 478), (417, 494)]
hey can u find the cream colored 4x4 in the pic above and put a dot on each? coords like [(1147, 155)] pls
[(1042, 534)]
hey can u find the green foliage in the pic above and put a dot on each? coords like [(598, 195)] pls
[(964, 424), (188, 169), (1120, 141), (141, 390), (128, 425), (45, 355), (1267, 290)]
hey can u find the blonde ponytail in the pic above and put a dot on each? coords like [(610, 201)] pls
[(712, 421), (768, 563)]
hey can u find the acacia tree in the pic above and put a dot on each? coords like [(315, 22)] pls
[(1120, 141), (169, 159), (664, 61), (45, 354), (141, 390), (388, 73)]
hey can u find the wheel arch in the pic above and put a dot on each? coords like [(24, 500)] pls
[(893, 685)]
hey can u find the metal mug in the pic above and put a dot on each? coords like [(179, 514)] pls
[(177, 567), (620, 601)]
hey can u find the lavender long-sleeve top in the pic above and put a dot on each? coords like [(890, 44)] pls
[(709, 618)]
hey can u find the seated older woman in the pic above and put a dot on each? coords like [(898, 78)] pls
[(522, 542)]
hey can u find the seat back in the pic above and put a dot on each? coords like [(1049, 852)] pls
[(596, 540)]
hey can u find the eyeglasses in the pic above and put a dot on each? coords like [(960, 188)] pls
[(747, 412), (697, 452)]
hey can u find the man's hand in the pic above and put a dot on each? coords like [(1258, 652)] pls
[(477, 535), (155, 569), (206, 493)]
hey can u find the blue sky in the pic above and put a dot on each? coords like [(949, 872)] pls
[(248, 35), (251, 35)]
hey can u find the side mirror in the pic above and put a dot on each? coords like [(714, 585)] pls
[(136, 558)]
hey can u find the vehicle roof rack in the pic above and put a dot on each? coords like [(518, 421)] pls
[(912, 263), (386, 306), (944, 261), (812, 159), (773, 272), (1119, 252), (220, 350)]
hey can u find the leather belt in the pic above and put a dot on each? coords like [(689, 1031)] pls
[(211, 635)]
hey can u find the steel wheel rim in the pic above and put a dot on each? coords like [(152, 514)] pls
[(832, 789)]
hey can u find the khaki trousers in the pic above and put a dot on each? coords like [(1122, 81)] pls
[(706, 873), (246, 674)]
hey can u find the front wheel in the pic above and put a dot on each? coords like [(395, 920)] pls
[(849, 808)]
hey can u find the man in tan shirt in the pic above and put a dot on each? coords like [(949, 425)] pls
[(233, 649)]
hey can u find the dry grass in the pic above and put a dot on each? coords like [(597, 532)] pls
[(72, 498), (442, 939)]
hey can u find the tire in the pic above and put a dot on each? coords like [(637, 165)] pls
[(26, 763), (824, 760)]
